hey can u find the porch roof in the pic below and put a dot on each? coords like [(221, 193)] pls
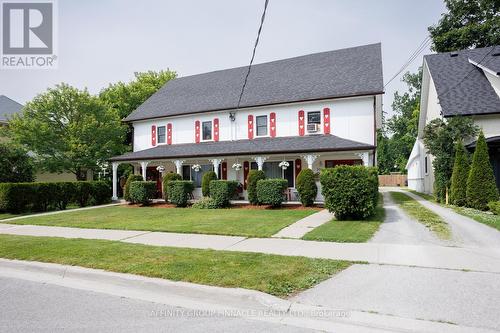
[(288, 145)]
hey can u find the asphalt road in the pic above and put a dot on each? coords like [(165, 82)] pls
[(37, 307)]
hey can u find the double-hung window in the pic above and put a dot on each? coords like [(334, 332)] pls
[(314, 117), (206, 128), (161, 134), (261, 125)]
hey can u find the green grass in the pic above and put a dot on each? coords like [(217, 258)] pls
[(423, 215), (428, 197), (349, 231), (236, 221), (487, 218), (7, 216), (273, 274)]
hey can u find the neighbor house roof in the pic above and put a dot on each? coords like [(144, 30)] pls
[(341, 73), (8, 108), (288, 145), (461, 85)]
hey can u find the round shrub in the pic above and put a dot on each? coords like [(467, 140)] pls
[(306, 186), (253, 177), (166, 179), (349, 191), (179, 192), (205, 182), (205, 203), (494, 206), (126, 190), (142, 192), (221, 192), (271, 191)]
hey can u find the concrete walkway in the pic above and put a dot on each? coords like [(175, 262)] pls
[(303, 226), (474, 259)]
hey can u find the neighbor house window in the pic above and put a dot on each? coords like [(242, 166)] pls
[(314, 117), (206, 130), (426, 168), (261, 125), (161, 134)]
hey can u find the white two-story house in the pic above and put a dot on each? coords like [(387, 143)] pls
[(314, 111)]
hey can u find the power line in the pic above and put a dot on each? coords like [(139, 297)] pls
[(253, 53)]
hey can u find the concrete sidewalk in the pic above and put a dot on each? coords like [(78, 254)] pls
[(473, 259), (301, 227)]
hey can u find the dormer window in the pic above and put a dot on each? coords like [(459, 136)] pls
[(206, 129), (261, 125), (313, 122), (161, 134)]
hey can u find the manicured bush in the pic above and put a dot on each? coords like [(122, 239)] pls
[(43, 197), (64, 194), (101, 192), (373, 173), (15, 197), (179, 192), (350, 191), (126, 189), (83, 193), (494, 206), (271, 191), (306, 186), (205, 203), (205, 182), (481, 186), (458, 188), (166, 179), (222, 191), (253, 177), (142, 192)]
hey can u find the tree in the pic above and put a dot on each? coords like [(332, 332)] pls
[(440, 139), (481, 186), (458, 188), (15, 165), (126, 97), (68, 130), (467, 24)]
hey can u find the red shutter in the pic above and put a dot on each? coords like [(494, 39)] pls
[(153, 135), (224, 170), (302, 130), (298, 167), (197, 131), (246, 168), (250, 126), (216, 129), (169, 133), (272, 117), (326, 121)]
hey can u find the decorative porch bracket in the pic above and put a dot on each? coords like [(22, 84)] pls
[(216, 162), (144, 165), (365, 157), (115, 180), (178, 166), (310, 160), (260, 161)]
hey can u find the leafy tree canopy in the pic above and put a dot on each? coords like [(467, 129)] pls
[(15, 165), (68, 130), (467, 24)]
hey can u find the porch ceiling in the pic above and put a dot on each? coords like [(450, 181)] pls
[(299, 144)]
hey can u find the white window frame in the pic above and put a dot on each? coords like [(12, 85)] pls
[(320, 130), (257, 126), (211, 130), (158, 135)]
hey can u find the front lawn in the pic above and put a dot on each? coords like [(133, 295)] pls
[(480, 216), (234, 221), (4, 216), (349, 231), (273, 274), (423, 215)]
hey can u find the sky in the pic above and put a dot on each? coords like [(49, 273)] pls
[(105, 41)]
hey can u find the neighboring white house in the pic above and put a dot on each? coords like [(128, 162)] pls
[(313, 111), (463, 83)]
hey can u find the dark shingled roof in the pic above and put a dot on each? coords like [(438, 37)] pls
[(340, 73), (289, 145), (8, 108), (462, 87)]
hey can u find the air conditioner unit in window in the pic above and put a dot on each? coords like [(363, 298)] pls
[(312, 128)]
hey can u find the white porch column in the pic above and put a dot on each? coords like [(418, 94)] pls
[(216, 162), (310, 160), (260, 161), (115, 180), (365, 157), (144, 165), (178, 166)]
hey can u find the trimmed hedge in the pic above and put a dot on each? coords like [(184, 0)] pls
[(126, 189), (142, 192), (458, 188), (271, 191), (494, 206), (205, 203), (205, 182), (350, 191), (306, 186), (179, 192), (253, 177), (222, 191), (42, 197), (166, 179)]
